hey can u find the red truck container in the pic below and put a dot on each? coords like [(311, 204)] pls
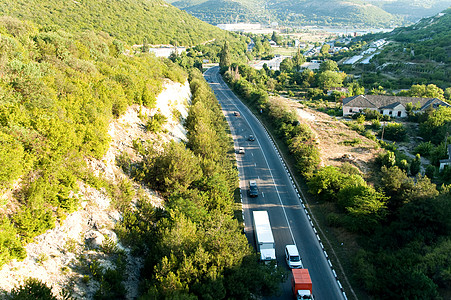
[(302, 284)]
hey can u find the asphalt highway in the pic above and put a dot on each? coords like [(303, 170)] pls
[(289, 221)]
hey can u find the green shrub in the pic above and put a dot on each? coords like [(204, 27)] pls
[(353, 142), (415, 165), (371, 114), (394, 132), (31, 222), (155, 123), (369, 135), (387, 159), (11, 159), (375, 124), (32, 289), (360, 119), (430, 171), (424, 149), (10, 245), (334, 220)]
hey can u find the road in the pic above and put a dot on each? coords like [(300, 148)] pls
[(277, 195)]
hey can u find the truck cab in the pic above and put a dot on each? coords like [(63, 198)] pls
[(292, 257)]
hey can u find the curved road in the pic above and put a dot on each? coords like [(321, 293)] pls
[(277, 195)]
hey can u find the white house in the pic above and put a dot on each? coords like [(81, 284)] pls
[(392, 106), (446, 162)]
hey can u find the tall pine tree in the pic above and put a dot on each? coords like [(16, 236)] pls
[(225, 59)]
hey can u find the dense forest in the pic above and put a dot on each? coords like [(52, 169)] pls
[(196, 248), (132, 21)]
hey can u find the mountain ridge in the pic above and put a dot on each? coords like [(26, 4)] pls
[(298, 12), (153, 21)]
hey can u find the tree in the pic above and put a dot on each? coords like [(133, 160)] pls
[(276, 38), (306, 154), (437, 125), (364, 204), (395, 182), (326, 183), (11, 159), (325, 50), (308, 77), (437, 264), (429, 91), (258, 47), (355, 89), (175, 170), (328, 65), (32, 289), (225, 59), (286, 65), (329, 79), (395, 132), (447, 94), (298, 60), (415, 166), (267, 47)]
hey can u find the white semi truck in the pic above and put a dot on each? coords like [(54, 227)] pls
[(263, 236)]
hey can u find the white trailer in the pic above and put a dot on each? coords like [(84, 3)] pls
[(263, 236)]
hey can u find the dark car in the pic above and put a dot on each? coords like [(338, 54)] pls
[(251, 138), (253, 189)]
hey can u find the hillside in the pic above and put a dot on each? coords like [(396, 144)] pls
[(58, 93), (294, 13), (132, 21), (412, 10), (224, 11), (337, 12), (417, 53)]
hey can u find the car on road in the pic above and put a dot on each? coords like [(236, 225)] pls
[(292, 257), (241, 150), (253, 189), (235, 113), (251, 138)]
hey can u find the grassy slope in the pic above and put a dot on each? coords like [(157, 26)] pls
[(132, 21)]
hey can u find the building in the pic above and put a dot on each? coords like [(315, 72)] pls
[(160, 50), (446, 162), (392, 106), (240, 27)]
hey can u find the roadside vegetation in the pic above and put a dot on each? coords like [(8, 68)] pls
[(396, 216), (60, 86), (59, 94), (195, 248)]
